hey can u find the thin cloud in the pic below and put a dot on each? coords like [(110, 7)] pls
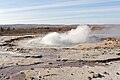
[(59, 4), (54, 13), (66, 11), (58, 18)]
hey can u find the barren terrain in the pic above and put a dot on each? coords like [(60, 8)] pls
[(88, 61)]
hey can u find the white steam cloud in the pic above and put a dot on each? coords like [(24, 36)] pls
[(79, 35), (74, 36)]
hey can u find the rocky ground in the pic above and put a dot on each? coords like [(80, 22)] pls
[(90, 61)]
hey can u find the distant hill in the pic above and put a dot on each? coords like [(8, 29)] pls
[(29, 25)]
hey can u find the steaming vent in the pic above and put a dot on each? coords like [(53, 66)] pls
[(80, 35), (69, 38)]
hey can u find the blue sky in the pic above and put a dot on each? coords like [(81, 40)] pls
[(60, 11)]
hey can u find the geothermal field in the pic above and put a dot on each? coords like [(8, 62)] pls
[(84, 52)]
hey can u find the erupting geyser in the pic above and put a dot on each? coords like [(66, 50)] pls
[(74, 36)]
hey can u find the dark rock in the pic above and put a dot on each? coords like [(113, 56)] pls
[(91, 72), (22, 73), (118, 54), (98, 75), (40, 76), (65, 60), (16, 63), (58, 60), (32, 78), (89, 78), (38, 56), (118, 73), (50, 63), (48, 72), (106, 73), (8, 78), (71, 74), (32, 68)]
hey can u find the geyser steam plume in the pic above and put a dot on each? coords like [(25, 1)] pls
[(74, 36)]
